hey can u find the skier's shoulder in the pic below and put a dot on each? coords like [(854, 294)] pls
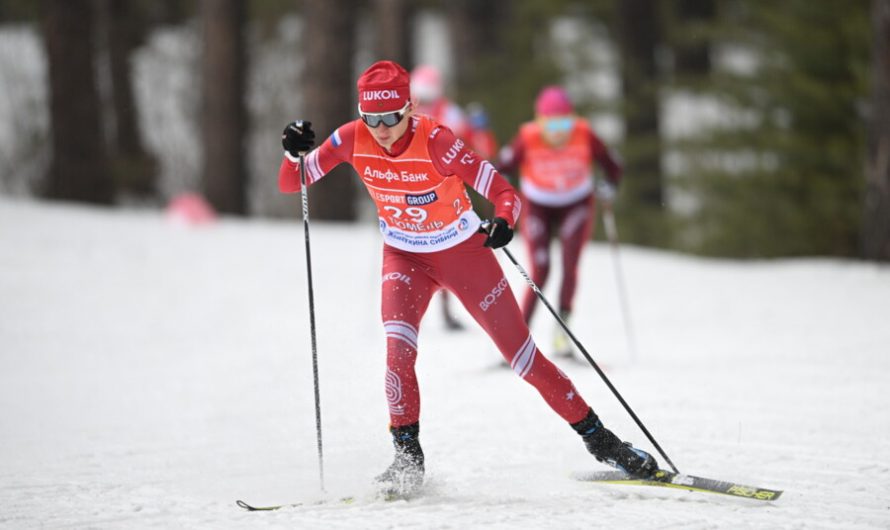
[(529, 128), (441, 138), (344, 134)]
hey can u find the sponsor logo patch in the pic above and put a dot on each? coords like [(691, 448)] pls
[(398, 277), (452, 152), (421, 200), (492, 296), (375, 95), (390, 176)]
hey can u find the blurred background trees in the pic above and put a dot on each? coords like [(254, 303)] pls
[(748, 128), (79, 168), (224, 123), (876, 219)]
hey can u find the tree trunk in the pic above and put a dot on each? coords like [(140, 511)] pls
[(876, 226), (328, 46), (79, 167), (224, 117), (692, 52), (639, 36), (471, 25), (393, 31), (134, 170)]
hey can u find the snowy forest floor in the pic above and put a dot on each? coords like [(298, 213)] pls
[(151, 374)]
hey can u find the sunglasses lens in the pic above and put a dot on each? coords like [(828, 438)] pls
[(372, 120), (390, 119), (559, 124)]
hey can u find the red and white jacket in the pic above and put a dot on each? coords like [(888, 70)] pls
[(418, 187)]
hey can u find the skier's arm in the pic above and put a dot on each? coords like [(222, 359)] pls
[(335, 150), (451, 156), (608, 160), (511, 156)]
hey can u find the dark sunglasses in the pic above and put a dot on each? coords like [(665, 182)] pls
[(390, 119)]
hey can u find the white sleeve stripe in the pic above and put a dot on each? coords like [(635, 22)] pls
[(484, 178), (489, 176), (310, 176), (479, 175), (312, 164)]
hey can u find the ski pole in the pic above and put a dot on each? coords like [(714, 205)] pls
[(305, 199), (587, 356), (612, 235)]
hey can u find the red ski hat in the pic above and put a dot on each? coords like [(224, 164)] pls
[(384, 87), (553, 101)]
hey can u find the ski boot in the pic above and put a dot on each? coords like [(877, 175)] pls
[(405, 475), (561, 345), (609, 449)]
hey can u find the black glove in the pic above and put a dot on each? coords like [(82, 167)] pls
[(298, 137), (499, 233)]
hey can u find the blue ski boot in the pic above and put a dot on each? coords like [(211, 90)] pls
[(609, 449)]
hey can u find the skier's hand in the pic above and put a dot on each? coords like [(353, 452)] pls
[(298, 138), (499, 233), (605, 191)]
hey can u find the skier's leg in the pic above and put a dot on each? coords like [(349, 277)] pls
[(406, 292), (535, 228), (405, 295), (473, 274), (574, 231), (484, 291)]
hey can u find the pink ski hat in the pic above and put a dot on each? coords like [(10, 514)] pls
[(384, 87), (553, 101)]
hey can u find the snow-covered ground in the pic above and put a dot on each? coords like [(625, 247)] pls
[(151, 374)]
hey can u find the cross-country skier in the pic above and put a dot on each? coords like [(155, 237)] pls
[(415, 170), (554, 156)]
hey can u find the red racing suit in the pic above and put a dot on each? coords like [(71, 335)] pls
[(557, 185), (432, 242)]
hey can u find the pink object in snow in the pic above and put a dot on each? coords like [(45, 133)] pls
[(553, 101), (190, 209)]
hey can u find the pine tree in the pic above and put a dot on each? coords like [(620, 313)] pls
[(329, 95), (224, 116), (876, 225), (783, 175), (79, 169)]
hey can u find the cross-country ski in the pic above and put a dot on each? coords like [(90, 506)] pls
[(669, 479)]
